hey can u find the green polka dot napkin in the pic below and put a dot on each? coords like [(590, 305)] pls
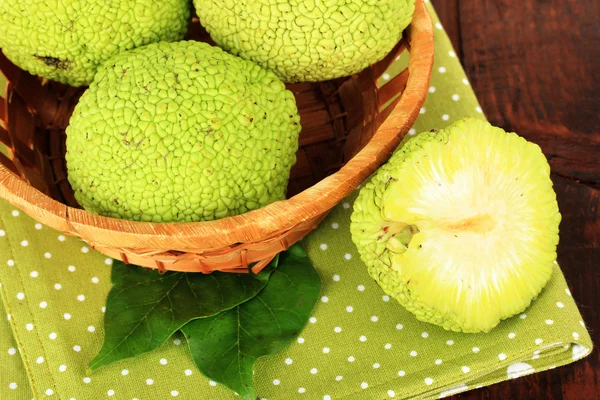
[(359, 343)]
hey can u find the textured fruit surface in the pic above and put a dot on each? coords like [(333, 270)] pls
[(181, 132), (67, 40), (460, 226), (307, 40)]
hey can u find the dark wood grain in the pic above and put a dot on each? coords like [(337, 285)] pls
[(535, 67)]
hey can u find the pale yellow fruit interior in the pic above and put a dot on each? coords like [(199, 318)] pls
[(486, 215)]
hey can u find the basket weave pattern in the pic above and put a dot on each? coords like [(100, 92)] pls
[(347, 133)]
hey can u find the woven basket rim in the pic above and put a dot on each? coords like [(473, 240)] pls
[(269, 221)]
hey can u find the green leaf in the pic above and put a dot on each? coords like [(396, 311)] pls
[(225, 347), (144, 308)]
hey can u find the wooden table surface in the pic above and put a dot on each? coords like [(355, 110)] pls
[(535, 67)]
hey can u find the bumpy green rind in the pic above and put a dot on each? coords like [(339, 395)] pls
[(67, 41), (370, 235), (181, 132), (307, 40)]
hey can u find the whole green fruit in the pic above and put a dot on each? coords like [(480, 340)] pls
[(307, 40), (460, 226), (181, 132), (67, 40)]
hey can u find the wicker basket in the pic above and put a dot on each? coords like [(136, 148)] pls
[(347, 134)]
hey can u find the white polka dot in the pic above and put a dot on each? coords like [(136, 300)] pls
[(110, 392), (8, 316), (62, 368), (432, 89), (549, 322), (300, 340), (81, 297), (348, 256), (575, 335), (24, 243), (39, 360), (301, 390), (336, 278), (385, 298), (568, 291), (188, 372), (450, 342), (337, 329), (174, 393), (339, 378), (163, 361), (289, 361), (149, 381), (374, 318), (61, 238), (108, 261), (559, 304), (2, 233), (20, 296), (376, 365), (77, 348), (351, 359), (502, 356), (85, 249), (511, 335), (428, 381), (91, 328), (399, 327), (387, 346), (103, 309), (48, 255), (276, 382), (124, 372), (12, 385), (15, 213), (362, 338), (465, 369), (455, 97), (445, 117), (386, 77), (364, 385), (324, 299), (582, 323), (412, 131), (475, 349), (391, 393), (71, 268), (438, 25), (346, 205), (442, 69), (539, 341), (413, 353), (451, 53), (95, 280), (57, 286), (87, 379), (349, 308), (29, 327), (523, 316), (49, 392), (465, 81), (422, 110), (313, 371), (361, 288), (438, 362), (424, 335), (176, 342), (312, 320), (10, 263), (12, 351), (323, 246), (33, 274), (67, 316), (335, 225), (52, 336), (325, 350)]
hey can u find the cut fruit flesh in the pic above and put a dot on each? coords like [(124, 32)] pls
[(484, 226)]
